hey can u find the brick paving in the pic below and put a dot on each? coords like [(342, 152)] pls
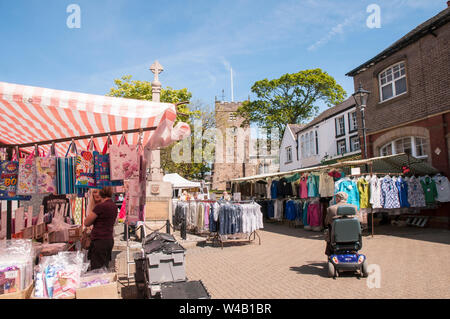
[(290, 263)]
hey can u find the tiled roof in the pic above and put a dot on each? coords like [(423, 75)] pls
[(295, 127), (329, 113), (423, 29)]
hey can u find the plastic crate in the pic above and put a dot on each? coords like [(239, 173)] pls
[(184, 290), (166, 267)]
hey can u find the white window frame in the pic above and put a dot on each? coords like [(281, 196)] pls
[(302, 146), (413, 146), (289, 154), (337, 146), (352, 120), (307, 145), (338, 126), (393, 80), (351, 144), (312, 144)]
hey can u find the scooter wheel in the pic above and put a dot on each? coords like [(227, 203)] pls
[(364, 269), (331, 270)]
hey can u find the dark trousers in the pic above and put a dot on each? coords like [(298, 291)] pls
[(100, 253)]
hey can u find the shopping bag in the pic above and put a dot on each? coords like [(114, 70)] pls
[(102, 169), (124, 161), (65, 172), (27, 175), (85, 170), (46, 174), (8, 179)]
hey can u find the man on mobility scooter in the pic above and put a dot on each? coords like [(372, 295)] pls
[(343, 236)]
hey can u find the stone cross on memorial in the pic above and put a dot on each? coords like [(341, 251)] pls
[(155, 162)]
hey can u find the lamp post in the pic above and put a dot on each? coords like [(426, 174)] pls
[(361, 97)]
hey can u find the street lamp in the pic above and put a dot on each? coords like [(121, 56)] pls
[(361, 97)]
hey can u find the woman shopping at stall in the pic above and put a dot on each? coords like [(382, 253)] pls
[(102, 217)]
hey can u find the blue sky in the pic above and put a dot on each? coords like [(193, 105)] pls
[(195, 40)]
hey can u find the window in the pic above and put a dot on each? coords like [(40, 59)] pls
[(354, 143), (307, 145), (352, 122), (416, 146), (317, 144), (302, 145), (341, 147), (232, 117), (288, 154), (312, 149), (340, 126), (392, 81)]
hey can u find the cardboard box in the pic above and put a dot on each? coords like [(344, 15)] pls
[(39, 231), (28, 233), (75, 233), (108, 291), (24, 294)]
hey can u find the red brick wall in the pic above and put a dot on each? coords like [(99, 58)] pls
[(428, 95), (428, 80)]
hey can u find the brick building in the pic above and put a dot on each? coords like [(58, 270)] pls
[(408, 109), (234, 157), (228, 165)]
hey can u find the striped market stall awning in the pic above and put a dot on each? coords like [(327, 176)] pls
[(33, 114)]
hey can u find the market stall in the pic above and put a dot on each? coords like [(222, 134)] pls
[(180, 184), (51, 141), (397, 184)]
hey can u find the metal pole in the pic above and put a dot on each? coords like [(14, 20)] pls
[(8, 203), (364, 131)]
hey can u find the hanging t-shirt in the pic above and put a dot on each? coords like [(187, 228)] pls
[(402, 187), (443, 188), (364, 196), (429, 189), (274, 190), (313, 187), (51, 202), (303, 189), (416, 197), (389, 193)]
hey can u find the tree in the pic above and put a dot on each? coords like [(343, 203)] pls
[(142, 90), (291, 99)]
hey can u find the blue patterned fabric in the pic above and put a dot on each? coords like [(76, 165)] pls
[(351, 189), (402, 187), (389, 194)]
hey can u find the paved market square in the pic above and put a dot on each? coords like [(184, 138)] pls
[(290, 263)]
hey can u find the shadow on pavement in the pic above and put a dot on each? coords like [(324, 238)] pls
[(299, 232), (316, 268), (434, 235)]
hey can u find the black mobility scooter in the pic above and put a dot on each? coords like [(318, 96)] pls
[(345, 243)]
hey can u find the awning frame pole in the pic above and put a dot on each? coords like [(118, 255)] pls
[(83, 137)]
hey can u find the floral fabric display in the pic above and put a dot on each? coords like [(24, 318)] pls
[(27, 176), (46, 174), (124, 162), (85, 170)]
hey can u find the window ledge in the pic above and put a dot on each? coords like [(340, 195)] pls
[(394, 99)]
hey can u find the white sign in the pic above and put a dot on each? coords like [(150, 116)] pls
[(356, 171)]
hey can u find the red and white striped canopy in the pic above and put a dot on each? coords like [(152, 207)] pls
[(32, 114)]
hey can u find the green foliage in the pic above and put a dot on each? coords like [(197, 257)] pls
[(290, 99), (142, 90)]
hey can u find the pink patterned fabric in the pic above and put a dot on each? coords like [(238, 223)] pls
[(124, 162), (46, 174)]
